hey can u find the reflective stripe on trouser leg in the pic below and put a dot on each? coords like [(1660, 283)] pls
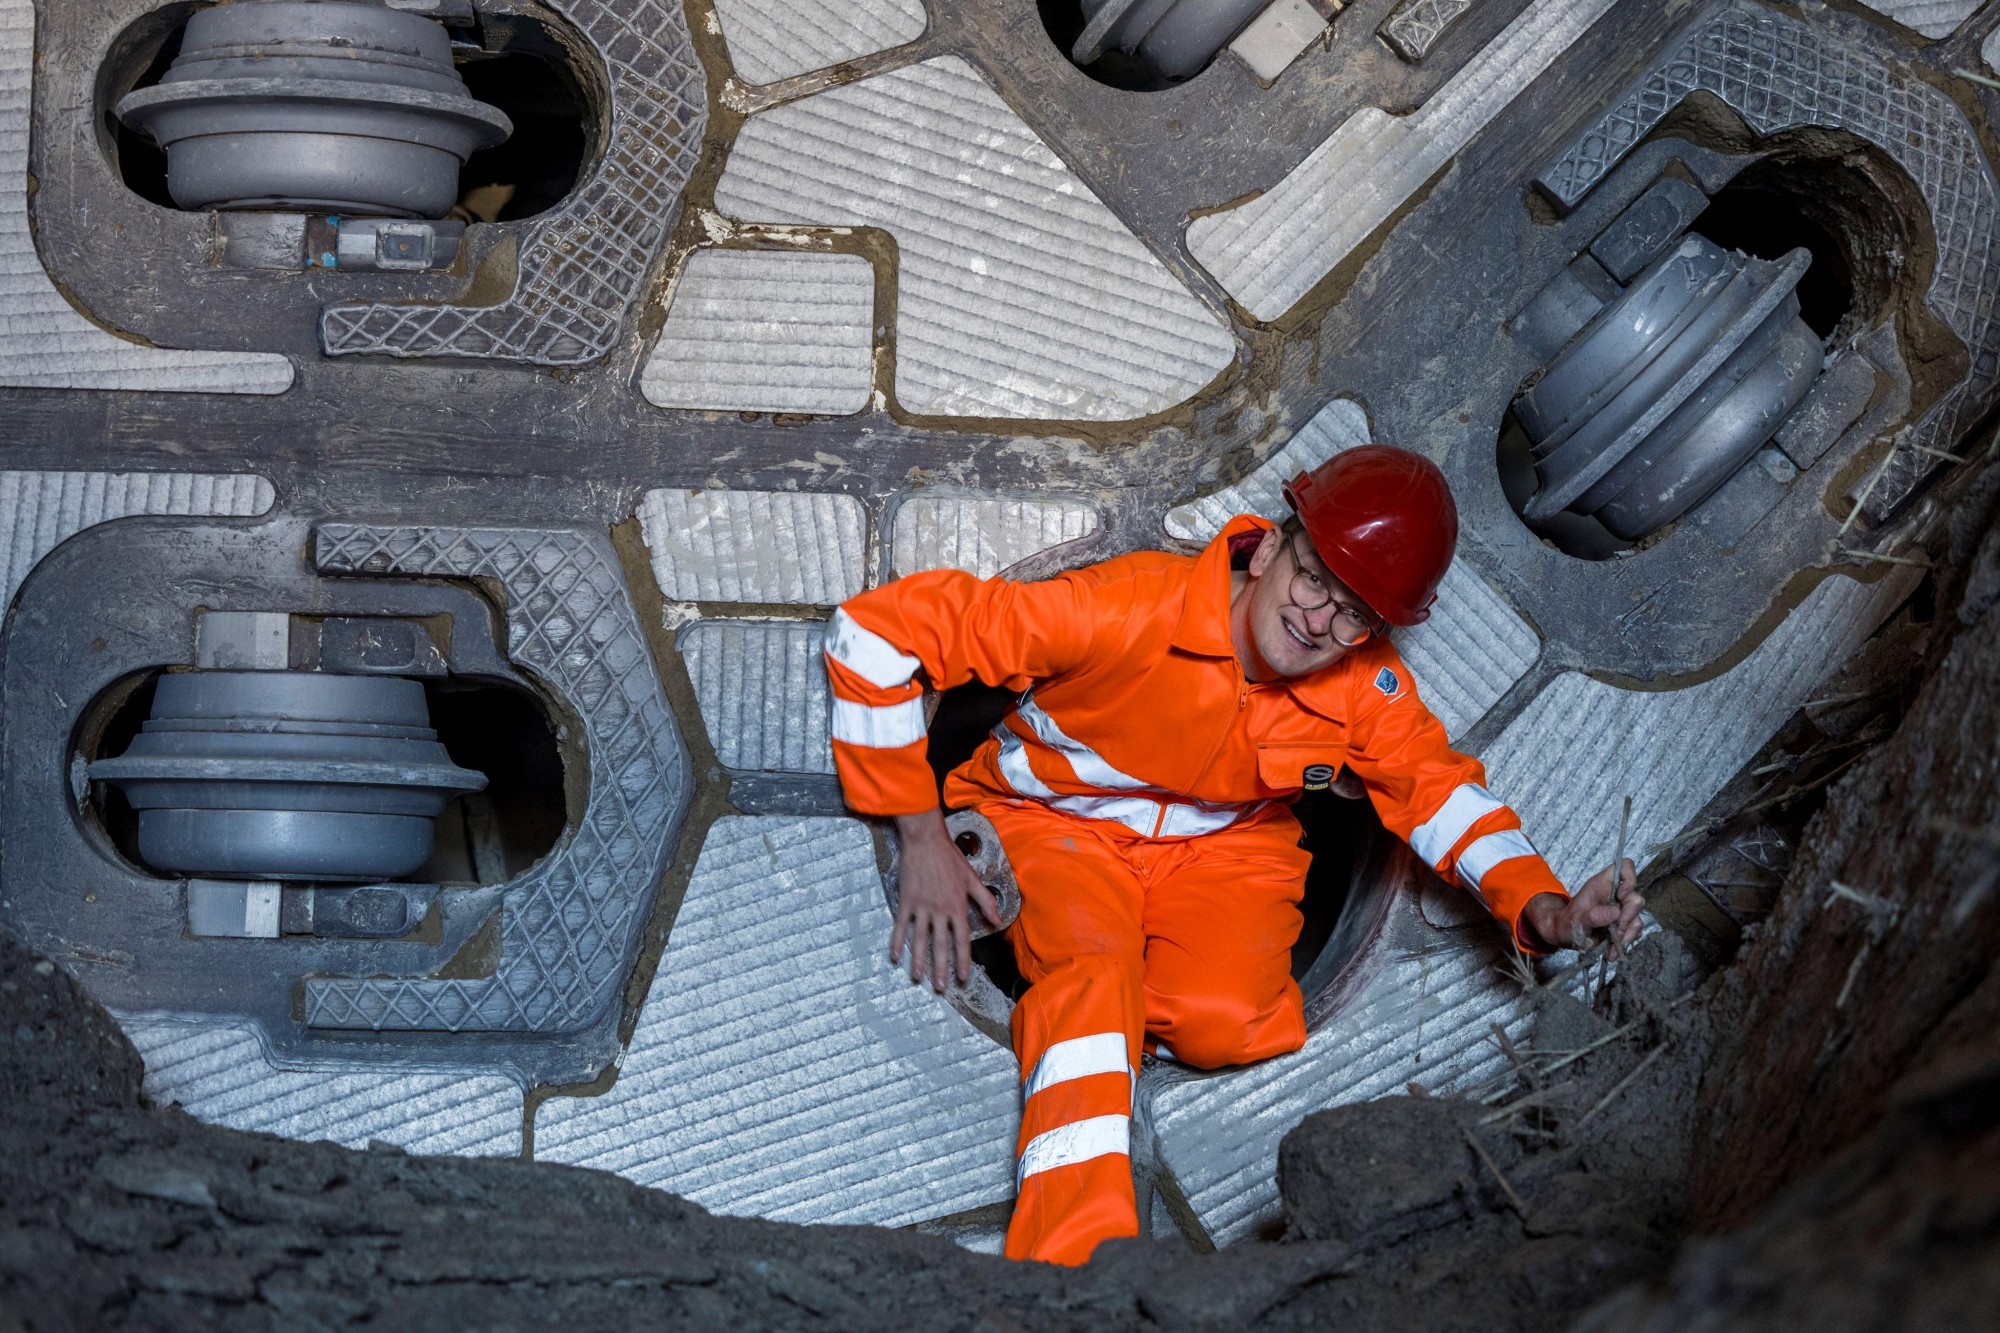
[(1078, 1141), (1078, 1057), (1073, 1167), (1080, 946), (1062, 1214)]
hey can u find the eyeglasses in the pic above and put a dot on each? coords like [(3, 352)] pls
[(1351, 626)]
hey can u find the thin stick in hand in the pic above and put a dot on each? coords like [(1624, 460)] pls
[(1617, 897)]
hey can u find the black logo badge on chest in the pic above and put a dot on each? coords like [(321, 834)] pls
[(1318, 777)]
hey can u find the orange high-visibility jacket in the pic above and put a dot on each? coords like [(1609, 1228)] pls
[(1134, 708)]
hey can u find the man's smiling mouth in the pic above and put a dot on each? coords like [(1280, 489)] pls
[(1300, 639)]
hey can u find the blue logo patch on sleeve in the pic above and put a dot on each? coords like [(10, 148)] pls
[(1385, 681)]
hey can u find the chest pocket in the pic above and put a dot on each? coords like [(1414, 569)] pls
[(1292, 767)]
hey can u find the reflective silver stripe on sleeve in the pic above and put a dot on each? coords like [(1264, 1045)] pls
[(1490, 851), (1079, 1057), (888, 727), (1090, 766), (1436, 836), (868, 654), (1066, 1145)]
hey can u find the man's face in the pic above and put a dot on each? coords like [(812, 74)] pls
[(1292, 640)]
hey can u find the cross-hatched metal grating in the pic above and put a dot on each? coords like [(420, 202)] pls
[(1416, 25), (569, 925), (582, 264)]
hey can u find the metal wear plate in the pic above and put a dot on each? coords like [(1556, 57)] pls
[(569, 926), (1019, 293), (1932, 18), (781, 1067), (771, 40), (1270, 251), (981, 534), (767, 331), (762, 689), (218, 1071), (41, 510), (1581, 746), (771, 547)]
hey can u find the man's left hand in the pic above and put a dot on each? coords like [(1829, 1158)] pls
[(1569, 923)]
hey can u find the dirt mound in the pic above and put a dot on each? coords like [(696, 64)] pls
[(117, 1214)]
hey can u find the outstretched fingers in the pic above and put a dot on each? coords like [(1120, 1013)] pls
[(904, 915), (987, 902), (940, 951), (939, 944), (961, 930)]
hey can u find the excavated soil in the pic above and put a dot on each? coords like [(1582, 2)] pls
[(1823, 1114), (120, 1215)]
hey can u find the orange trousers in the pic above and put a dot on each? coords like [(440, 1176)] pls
[(1129, 941)]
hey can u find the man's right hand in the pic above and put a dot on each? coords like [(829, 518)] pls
[(1600, 905), (935, 884)]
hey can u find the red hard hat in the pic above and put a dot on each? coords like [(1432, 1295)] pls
[(1383, 520)]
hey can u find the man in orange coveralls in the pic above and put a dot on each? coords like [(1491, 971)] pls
[(1171, 708)]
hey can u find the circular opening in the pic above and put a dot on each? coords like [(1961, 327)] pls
[(485, 837), (1338, 833), (1839, 211), (538, 166), (965, 716), (129, 706), (517, 62), (492, 836), (1183, 39), (1064, 20), (138, 58), (1767, 222), (1578, 535)]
